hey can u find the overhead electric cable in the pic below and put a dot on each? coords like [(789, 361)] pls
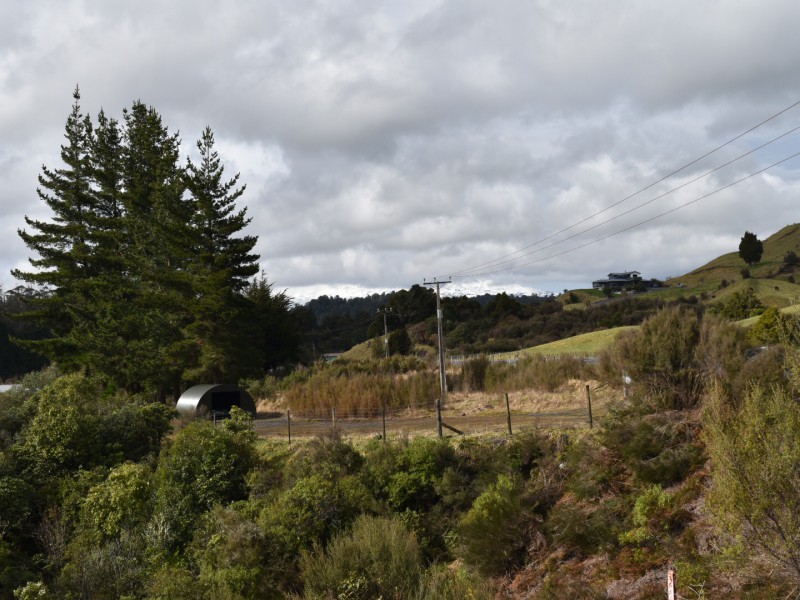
[(640, 223), (496, 263), (665, 177)]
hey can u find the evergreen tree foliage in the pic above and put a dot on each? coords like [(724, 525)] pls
[(142, 272), (222, 264), (63, 243), (750, 248), (273, 326)]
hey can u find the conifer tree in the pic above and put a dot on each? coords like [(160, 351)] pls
[(143, 271), (156, 252), (63, 244), (750, 248), (221, 266)]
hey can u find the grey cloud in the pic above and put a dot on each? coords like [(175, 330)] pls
[(383, 142)]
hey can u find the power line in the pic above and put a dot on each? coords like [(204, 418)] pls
[(664, 178), (644, 222), (496, 263)]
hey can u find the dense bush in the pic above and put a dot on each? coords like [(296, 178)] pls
[(755, 450), (74, 425), (673, 358), (377, 558), (490, 535), (583, 527), (205, 465), (218, 514), (658, 448)]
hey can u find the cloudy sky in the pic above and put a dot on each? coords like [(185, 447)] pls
[(383, 143)]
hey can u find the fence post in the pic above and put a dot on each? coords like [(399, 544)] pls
[(439, 417), (289, 425), (589, 402), (383, 418), (333, 417), (672, 583), (508, 414)]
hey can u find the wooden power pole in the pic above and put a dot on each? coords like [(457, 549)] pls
[(440, 335)]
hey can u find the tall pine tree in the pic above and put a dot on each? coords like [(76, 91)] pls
[(63, 244), (143, 270), (222, 265), (156, 255)]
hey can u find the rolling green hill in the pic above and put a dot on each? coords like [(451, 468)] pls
[(729, 266)]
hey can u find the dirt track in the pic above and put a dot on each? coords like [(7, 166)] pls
[(469, 424)]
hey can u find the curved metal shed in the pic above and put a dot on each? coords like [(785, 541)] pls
[(214, 400)]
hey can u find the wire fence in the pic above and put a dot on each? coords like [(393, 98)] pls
[(417, 421)]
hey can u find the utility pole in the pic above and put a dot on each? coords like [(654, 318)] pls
[(385, 331), (440, 335)]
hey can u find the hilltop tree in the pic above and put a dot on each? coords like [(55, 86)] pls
[(750, 248)]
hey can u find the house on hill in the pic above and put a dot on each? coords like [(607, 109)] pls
[(618, 281)]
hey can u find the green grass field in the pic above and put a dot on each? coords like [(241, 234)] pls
[(586, 344)]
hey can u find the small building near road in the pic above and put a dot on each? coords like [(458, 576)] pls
[(618, 281), (214, 400)]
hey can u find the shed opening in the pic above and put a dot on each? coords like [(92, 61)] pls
[(214, 400)]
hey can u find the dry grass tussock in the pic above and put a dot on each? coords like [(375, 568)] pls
[(569, 396)]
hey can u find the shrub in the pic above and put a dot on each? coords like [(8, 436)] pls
[(378, 558), (263, 389), (767, 369), (171, 582), (742, 304), (448, 583), (656, 448), (204, 466), (754, 454), (114, 569), (328, 455), (584, 528), (123, 501), (660, 359), (474, 373), (649, 516), (230, 551), (772, 327), (310, 512), (593, 470), (489, 537), (419, 468)]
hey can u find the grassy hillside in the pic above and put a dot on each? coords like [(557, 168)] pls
[(587, 343), (729, 266)]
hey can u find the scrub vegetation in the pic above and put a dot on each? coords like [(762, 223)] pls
[(103, 497)]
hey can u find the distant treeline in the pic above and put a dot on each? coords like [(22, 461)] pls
[(487, 323), (14, 360)]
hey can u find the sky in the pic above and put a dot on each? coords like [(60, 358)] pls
[(512, 145)]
